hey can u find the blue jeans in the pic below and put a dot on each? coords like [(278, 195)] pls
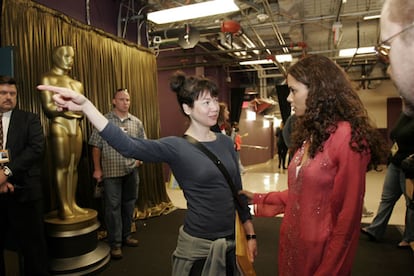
[(120, 195), (394, 187)]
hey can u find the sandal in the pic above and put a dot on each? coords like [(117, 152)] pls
[(403, 245)]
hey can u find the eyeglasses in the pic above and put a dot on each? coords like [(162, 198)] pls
[(122, 90), (384, 47)]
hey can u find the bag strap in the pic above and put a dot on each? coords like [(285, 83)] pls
[(218, 163)]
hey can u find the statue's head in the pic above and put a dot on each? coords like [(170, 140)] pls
[(63, 57)]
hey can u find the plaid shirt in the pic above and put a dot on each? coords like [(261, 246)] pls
[(114, 164)]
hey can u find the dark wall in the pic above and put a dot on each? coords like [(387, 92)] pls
[(103, 13)]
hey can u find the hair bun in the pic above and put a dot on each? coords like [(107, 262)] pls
[(177, 81)]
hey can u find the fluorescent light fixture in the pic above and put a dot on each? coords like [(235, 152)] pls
[(369, 17), (351, 51), (280, 58), (284, 58), (192, 11), (256, 62)]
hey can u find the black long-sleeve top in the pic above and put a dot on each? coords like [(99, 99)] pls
[(403, 135), (211, 209)]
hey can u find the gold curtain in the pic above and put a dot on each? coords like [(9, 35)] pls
[(103, 63)]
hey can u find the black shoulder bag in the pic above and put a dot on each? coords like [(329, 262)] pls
[(243, 262)]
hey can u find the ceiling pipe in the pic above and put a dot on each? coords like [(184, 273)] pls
[(265, 25), (355, 54), (339, 10), (88, 12), (252, 4), (277, 33), (310, 20), (275, 26), (193, 65), (371, 78), (186, 54), (175, 33)]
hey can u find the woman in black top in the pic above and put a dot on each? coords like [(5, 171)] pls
[(402, 136)]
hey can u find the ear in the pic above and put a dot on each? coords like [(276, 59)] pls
[(187, 109)]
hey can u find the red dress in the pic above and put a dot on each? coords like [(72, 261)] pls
[(322, 209)]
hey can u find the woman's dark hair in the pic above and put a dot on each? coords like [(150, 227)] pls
[(189, 89), (221, 120), (331, 98)]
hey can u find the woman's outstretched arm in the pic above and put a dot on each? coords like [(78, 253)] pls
[(66, 99)]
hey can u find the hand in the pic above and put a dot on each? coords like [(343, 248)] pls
[(248, 194), (252, 245), (6, 187), (97, 174), (65, 99)]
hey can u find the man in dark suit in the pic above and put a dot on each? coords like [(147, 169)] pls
[(21, 204)]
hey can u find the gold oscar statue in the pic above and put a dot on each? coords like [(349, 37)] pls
[(71, 231), (65, 133)]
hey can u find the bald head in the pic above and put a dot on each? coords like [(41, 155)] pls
[(397, 27)]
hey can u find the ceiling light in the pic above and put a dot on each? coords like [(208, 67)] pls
[(255, 62), (192, 11), (270, 60), (262, 17), (351, 51), (369, 17), (284, 58)]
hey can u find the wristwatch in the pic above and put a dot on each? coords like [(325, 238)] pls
[(7, 171)]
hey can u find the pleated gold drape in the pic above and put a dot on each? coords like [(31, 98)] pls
[(103, 63)]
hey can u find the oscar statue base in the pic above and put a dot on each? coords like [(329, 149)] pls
[(73, 244)]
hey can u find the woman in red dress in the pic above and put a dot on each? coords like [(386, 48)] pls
[(334, 144)]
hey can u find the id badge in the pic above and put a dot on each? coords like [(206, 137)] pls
[(4, 156), (394, 149)]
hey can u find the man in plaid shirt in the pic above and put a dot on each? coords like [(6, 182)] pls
[(119, 175)]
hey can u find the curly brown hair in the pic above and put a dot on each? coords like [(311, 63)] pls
[(331, 99)]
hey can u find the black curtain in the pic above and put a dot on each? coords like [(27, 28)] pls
[(282, 94), (236, 103), (7, 62)]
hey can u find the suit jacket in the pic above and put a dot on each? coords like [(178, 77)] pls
[(26, 144)]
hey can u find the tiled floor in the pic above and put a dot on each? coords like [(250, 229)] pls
[(267, 177)]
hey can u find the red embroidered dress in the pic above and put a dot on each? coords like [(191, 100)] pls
[(322, 209)]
